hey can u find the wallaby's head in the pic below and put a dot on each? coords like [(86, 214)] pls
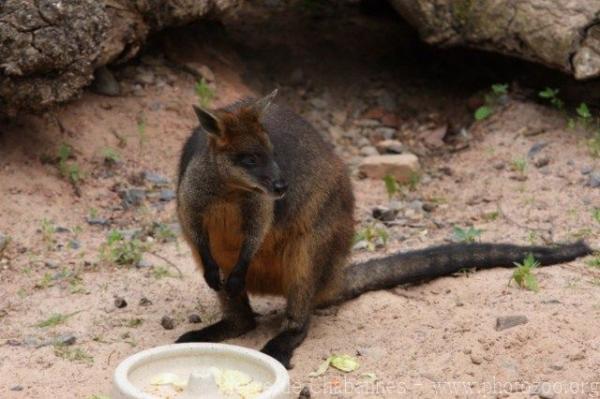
[(240, 147)]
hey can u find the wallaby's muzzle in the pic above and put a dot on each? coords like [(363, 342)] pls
[(280, 187)]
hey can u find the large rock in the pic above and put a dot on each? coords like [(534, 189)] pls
[(560, 34), (403, 166), (50, 48)]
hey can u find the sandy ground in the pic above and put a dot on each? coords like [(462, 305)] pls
[(433, 340)]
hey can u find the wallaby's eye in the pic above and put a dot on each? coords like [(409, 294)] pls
[(248, 160)]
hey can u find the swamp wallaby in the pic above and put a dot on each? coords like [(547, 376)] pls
[(267, 208)]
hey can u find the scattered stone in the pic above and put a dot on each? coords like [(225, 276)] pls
[(305, 393), (361, 245), (74, 244), (144, 263), (536, 148), (65, 340), (402, 166), (429, 206), (505, 322), (145, 301), (387, 133), (51, 264), (145, 76), (557, 366), (166, 195), (318, 103), (167, 322), (132, 197), (576, 356), (416, 205), (368, 151), (389, 147), (61, 229), (97, 221), (384, 214), (120, 302), (476, 358), (586, 169), (336, 132), (434, 138), (199, 71), (518, 177), (13, 342), (155, 178), (542, 161), (499, 165), (339, 117), (105, 83), (194, 318), (3, 242), (16, 388), (594, 179)]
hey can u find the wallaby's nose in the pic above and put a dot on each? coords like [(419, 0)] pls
[(280, 186)]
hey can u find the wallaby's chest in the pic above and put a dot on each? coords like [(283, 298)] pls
[(223, 222)]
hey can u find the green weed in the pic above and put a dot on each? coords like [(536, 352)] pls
[(204, 92), (466, 235), (551, 95), (73, 354), (497, 91), (523, 274), (372, 234), (122, 251), (55, 319)]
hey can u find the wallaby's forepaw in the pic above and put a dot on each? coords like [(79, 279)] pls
[(280, 353), (213, 278), (234, 285)]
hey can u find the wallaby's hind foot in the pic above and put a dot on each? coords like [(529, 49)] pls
[(219, 331), (282, 346), (238, 319)]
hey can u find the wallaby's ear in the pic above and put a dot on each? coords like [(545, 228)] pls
[(262, 105), (208, 122)]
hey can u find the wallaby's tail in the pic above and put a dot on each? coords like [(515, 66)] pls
[(443, 260)]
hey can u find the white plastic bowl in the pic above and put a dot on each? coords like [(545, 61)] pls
[(136, 371)]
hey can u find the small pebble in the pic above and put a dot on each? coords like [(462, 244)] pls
[(505, 322), (3, 242), (167, 322), (50, 264), (194, 318), (120, 302), (305, 393), (16, 388), (542, 161), (476, 359), (145, 301), (65, 339)]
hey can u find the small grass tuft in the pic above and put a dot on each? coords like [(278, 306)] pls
[(73, 354), (111, 156), (204, 92), (551, 95), (55, 319), (372, 235), (596, 214), (391, 186), (122, 251), (523, 274), (466, 235), (519, 165), (595, 261)]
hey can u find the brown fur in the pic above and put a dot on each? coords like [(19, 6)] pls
[(296, 247)]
